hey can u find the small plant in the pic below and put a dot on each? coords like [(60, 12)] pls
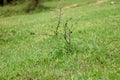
[(66, 32)]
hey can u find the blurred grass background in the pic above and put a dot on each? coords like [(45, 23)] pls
[(29, 51)]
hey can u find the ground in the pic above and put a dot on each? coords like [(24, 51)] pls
[(30, 51)]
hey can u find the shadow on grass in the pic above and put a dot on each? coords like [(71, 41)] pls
[(39, 8)]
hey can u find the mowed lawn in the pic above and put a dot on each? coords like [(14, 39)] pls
[(30, 51)]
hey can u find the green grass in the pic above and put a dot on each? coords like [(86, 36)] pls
[(28, 51)]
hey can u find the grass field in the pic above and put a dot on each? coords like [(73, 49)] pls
[(30, 51)]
